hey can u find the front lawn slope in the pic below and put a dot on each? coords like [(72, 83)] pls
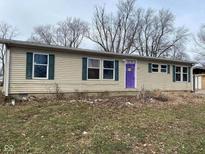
[(83, 128)]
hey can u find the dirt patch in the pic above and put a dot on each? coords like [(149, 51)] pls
[(143, 98), (186, 98), (2, 98), (147, 98)]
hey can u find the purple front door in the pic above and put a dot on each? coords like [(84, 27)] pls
[(130, 75)]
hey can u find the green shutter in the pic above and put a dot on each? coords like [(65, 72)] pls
[(84, 68), (116, 70), (150, 68), (189, 74), (174, 73), (168, 69), (51, 66), (29, 65)]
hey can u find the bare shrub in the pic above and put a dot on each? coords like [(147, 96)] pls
[(59, 95), (148, 96), (80, 95), (104, 94), (158, 95), (144, 95), (2, 99)]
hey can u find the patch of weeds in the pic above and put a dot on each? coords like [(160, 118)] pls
[(139, 134), (80, 95), (104, 94), (79, 126), (59, 95), (106, 144), (146, 96)]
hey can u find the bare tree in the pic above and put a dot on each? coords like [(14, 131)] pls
[(145, 32), (44, 34), (69, 33), (116, 33), (199, 42), (158, 37), (201, 37), (6, 32)]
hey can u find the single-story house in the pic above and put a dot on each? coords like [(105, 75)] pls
[(199, 82), (33, 68)]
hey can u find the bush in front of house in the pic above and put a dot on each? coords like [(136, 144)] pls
[(147, 96)]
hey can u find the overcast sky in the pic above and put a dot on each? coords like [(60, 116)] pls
[(26, 14)]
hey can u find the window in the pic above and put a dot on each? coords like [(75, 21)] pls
[(164, 68), (178, 73), (93, 69), (108, 69), (40, 66), (185, 74), (155, 67), (181, 73)]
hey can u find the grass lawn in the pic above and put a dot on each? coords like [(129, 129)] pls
[(84, 128)]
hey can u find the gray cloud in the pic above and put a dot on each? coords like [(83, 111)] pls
[(26, 14)]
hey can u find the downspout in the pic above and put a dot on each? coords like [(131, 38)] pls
[(193, 79), (194, 83), (7, 72)]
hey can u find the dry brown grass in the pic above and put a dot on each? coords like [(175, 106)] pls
[(112, 125), (2, 98), (143, 98)]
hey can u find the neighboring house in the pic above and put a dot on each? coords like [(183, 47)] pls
[(199, 77), (33, 68)]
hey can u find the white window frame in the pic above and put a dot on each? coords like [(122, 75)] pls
[(94, 67), (112, 60), (163, 68), (185, 73), (178, 73), (155, 68), (40, 78), (181, 73)]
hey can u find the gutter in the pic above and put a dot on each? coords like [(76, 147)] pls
[(7, 72), (33, 45)]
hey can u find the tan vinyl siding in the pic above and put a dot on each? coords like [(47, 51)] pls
[(159, 80), (68, 75)]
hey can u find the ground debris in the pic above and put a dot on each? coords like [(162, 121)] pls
[(142, 98), (150, 98)]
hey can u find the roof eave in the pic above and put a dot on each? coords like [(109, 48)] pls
[(25, 44)]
